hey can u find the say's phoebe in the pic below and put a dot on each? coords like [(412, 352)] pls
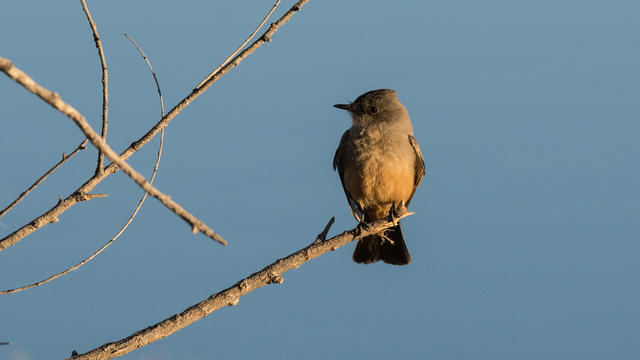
[(380, 166)]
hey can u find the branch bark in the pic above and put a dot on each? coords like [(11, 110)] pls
[(231, 296), (105, 82)]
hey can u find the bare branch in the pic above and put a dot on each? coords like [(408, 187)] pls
[(155, 78), (266, 37), (105, 82), (231, 296), (242, 45), (54, 100), (135, 212), (53, 213), (53, 277), (43, 177), (323, 235)]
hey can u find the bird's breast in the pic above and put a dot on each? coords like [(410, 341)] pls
[(381, 169)]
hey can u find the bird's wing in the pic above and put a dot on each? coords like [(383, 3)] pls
[(420, 169), (338, 164)]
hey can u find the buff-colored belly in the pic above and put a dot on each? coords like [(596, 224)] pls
[(379, 182)]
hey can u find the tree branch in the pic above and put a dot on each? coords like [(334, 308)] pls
[(105, 82), (231, 296), (52, 214), (273, 8), (43, 177), (97, 252), (133, 215), (54, 100), (155, 78)]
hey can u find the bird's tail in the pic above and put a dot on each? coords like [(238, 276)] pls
[(390, 248)]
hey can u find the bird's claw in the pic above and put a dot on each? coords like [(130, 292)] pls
[(362, 228), (396, 212)]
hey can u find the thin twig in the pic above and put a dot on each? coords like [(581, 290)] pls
[(155, 78), (54, 100), (135, 212), (231, 296), (43, 177), (242, 45), (105, 82), (323, 235), (52, 214)]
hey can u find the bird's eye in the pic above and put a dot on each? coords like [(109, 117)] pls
[(373, 109)]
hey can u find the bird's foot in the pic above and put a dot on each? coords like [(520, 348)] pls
[(397, 212), (362, 228)]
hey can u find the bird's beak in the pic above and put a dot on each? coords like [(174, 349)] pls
[(343, 106)]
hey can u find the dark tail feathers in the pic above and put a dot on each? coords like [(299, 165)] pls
[(375, 248)]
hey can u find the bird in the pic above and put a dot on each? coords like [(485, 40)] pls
[(380, 166)]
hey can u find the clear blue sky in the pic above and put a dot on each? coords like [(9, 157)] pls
[(525, 241)]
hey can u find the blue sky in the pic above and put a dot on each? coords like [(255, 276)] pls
[(525, 238)]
